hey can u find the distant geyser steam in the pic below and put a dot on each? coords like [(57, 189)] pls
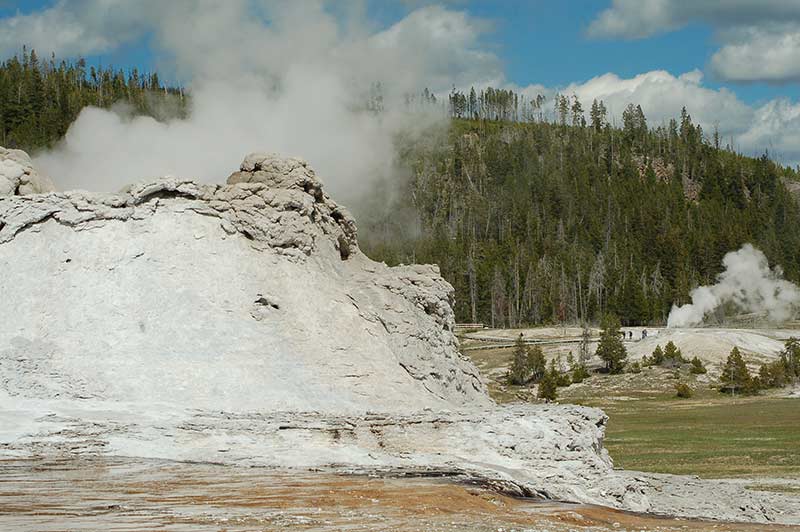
[(749, 283)]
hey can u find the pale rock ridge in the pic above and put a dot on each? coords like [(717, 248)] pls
[(292, 173), (286, 212), (19, 177)]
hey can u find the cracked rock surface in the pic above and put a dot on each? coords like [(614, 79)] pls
[(241, 324)]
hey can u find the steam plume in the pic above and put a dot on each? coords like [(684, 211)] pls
[(288, 77), (747, 282)]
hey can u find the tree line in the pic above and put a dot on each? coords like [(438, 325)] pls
[(40, 98), (529, 366)]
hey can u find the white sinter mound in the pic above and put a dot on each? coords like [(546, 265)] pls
[(18, 176), (241, 324), (234, 298)]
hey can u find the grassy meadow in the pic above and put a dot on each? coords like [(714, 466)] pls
[(710, 435)]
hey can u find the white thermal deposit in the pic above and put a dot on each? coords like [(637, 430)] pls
[(748, 283), (18, 176), (240, 324)]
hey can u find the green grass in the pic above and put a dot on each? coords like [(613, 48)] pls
[(711, 436)]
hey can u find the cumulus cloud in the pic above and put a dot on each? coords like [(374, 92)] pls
[(277, 76), (773, 126), (662, 95), (759, 38), (635, 19), (769, 53), (74, 28)]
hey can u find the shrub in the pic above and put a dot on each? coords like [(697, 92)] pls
[(672, 353), (683, 390), (579, 373), (634, 367), (548, 387), (697, 367)]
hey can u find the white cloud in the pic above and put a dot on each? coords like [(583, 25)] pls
[(662, 96), (760, 54), (74, 28), (774, 126), (635, 19), (443, 44), (759, 39)]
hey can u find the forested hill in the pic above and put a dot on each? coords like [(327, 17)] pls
[(534, 213), (539, 222), (40, 98)]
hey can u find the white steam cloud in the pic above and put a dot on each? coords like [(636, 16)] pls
[(747, 282), (287, 77)]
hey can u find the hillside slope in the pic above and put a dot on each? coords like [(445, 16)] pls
[(546, 223)]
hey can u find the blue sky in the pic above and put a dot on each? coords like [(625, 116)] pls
[(537, 41), (545, 42), (734, 65)]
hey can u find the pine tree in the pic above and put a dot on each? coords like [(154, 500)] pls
[(773, 374), (593, 230), (520, 371), (698, 368), (40, 99), (473, 103), (735, 375), (548, 387), (672, 354), (536, 363), (657, 358), (791, 358), (597, 115), (610, 348), (578, 120)]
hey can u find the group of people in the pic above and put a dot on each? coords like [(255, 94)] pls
[(628, 335)]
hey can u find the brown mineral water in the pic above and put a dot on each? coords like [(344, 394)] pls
[(132, 494)]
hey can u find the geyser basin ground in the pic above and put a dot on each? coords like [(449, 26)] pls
[(240, 324), (124, 494)]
